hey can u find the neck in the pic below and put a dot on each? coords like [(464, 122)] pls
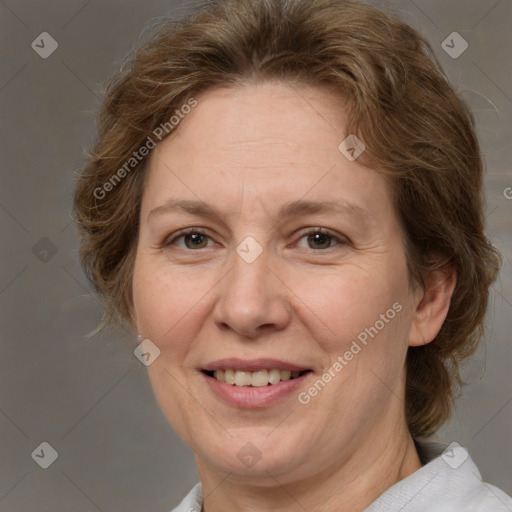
[(377, 465)]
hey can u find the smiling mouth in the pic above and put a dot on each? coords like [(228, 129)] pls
[(260, 378)]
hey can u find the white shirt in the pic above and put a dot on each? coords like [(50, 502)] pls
[(448, 481)]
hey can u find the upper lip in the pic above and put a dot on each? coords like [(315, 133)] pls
[(253, 365)]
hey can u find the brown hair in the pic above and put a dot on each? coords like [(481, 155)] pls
[(416, 129)]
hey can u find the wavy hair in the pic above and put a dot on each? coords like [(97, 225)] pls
[(417, 131)]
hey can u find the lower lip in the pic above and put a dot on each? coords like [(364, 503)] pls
[(254, 397)]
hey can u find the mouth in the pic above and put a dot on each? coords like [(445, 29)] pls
[(255, 383), (259, 378)]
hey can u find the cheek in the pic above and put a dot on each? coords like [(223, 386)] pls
[(161, 300), (349, 300), (171, 305), (335, 306)]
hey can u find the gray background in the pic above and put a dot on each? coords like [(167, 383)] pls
[(91, 399)]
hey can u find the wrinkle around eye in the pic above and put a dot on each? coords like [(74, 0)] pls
[(338, 239), (177, 240), (171, 240)]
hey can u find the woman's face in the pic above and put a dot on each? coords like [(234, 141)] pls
[(253, 173)]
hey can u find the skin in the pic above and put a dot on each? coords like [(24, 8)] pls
[(246, 152)]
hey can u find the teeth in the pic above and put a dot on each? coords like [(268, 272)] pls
[(258, 379), (242, 378), (229, 377), (285, 374), (274, 376)]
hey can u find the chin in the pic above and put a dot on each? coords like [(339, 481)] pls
[(253, 453)]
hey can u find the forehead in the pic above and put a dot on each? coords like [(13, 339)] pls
[(273, 142)]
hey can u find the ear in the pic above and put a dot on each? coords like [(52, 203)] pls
[(432, 307)]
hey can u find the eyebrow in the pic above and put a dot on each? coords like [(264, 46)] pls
[(290, 209)]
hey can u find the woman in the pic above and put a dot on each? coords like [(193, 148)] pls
[(284, 201)]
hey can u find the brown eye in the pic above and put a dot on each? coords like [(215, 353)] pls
[(195, 240), (190, 239), (319, 241)]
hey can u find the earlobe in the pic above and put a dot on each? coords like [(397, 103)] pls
[(433, 306)]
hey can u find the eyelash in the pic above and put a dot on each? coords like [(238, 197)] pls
[(199, 231)]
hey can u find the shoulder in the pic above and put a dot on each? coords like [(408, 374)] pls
[(449, 481), (483, 497), (192, 502)]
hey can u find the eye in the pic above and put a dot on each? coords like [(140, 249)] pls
[(320, 238), (196, 238), (193, 238)]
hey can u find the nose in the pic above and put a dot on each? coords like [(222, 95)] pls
[(252, 300)]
